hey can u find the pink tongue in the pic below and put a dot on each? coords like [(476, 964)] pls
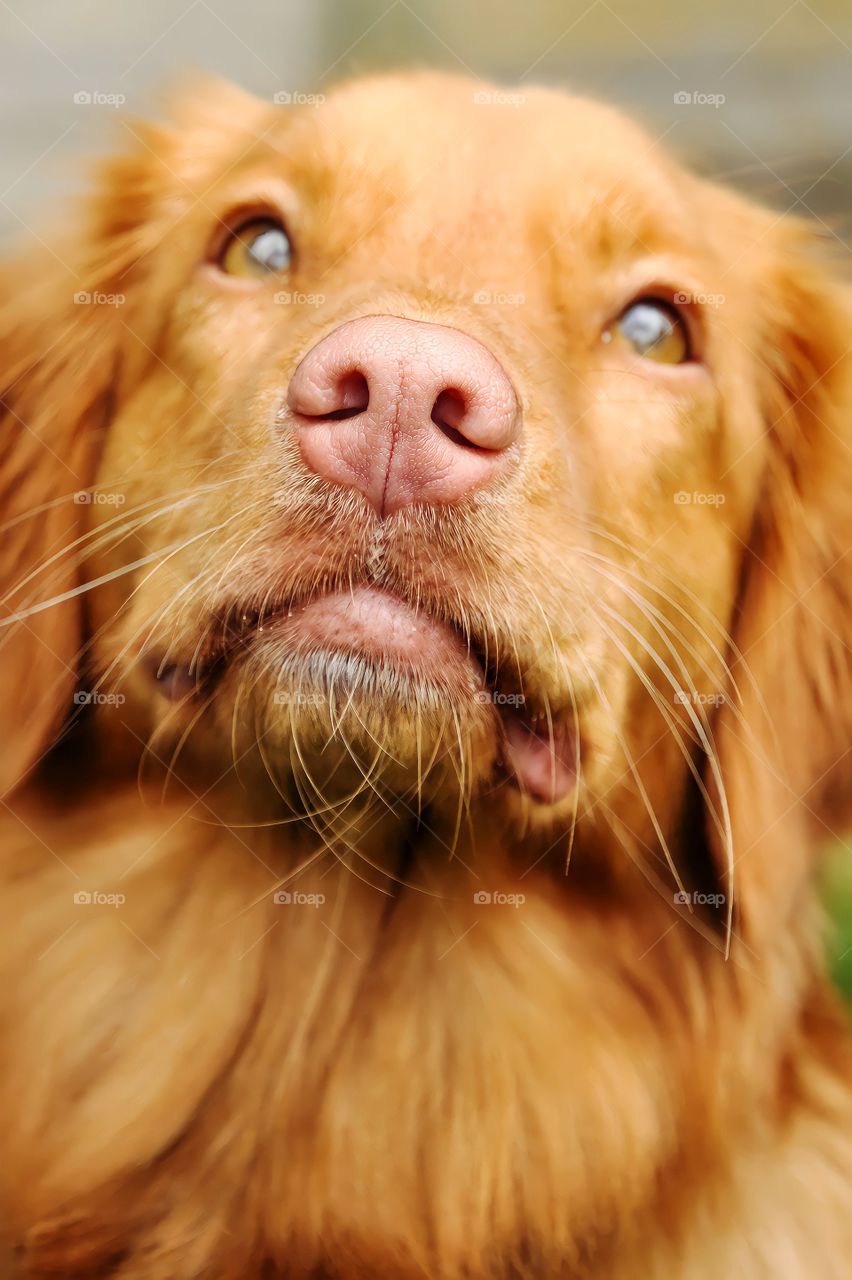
[(544, 765)]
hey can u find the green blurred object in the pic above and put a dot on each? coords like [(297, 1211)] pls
[(838, 897)]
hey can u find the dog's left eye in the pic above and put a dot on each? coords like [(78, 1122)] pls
[(257, 248), (654, 330)]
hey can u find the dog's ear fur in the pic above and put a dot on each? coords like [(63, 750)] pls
[(73, 336), (785, 751), (57, 357), (65, 332)]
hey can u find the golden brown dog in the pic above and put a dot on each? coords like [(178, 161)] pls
[(425, 683)]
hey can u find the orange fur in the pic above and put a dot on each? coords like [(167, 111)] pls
[(390, 1078)]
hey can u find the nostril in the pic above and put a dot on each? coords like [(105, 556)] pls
[(448, 413), (330, 401), (352, 395)]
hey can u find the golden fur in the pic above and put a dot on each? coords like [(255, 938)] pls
[(200, 1082)]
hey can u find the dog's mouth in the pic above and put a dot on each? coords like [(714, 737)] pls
[(363, 630)]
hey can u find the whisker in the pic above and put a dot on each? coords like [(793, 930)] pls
[(634, 772), (724, 825)]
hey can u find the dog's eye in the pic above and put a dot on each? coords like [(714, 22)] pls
[(258, 248), (653, 329)]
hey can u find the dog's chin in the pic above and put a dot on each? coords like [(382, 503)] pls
[(358, 694), (334, 725)]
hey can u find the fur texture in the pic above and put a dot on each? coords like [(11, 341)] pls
[(485, 1037)]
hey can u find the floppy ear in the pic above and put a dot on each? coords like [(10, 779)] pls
[(63, 335), (78, 325), (57, 358), (785, 758)]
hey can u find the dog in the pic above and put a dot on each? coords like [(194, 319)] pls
[(426, 692)]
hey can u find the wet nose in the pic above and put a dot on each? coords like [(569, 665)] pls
[(404, 411)]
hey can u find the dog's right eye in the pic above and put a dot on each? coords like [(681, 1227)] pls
[(256, 249)]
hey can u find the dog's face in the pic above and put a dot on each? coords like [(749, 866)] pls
[(506, 617), (440, 431)]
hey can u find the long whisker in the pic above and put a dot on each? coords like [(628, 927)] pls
[(104, 578), (652, 612), (149, 626), (628, 842), (724, 827), (660, 704), (634, 772), (700, 606), (117, 527)]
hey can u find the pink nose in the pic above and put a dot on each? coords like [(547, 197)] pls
[(403, 411)]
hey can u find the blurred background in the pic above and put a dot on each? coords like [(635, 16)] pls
[(757, 94)]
